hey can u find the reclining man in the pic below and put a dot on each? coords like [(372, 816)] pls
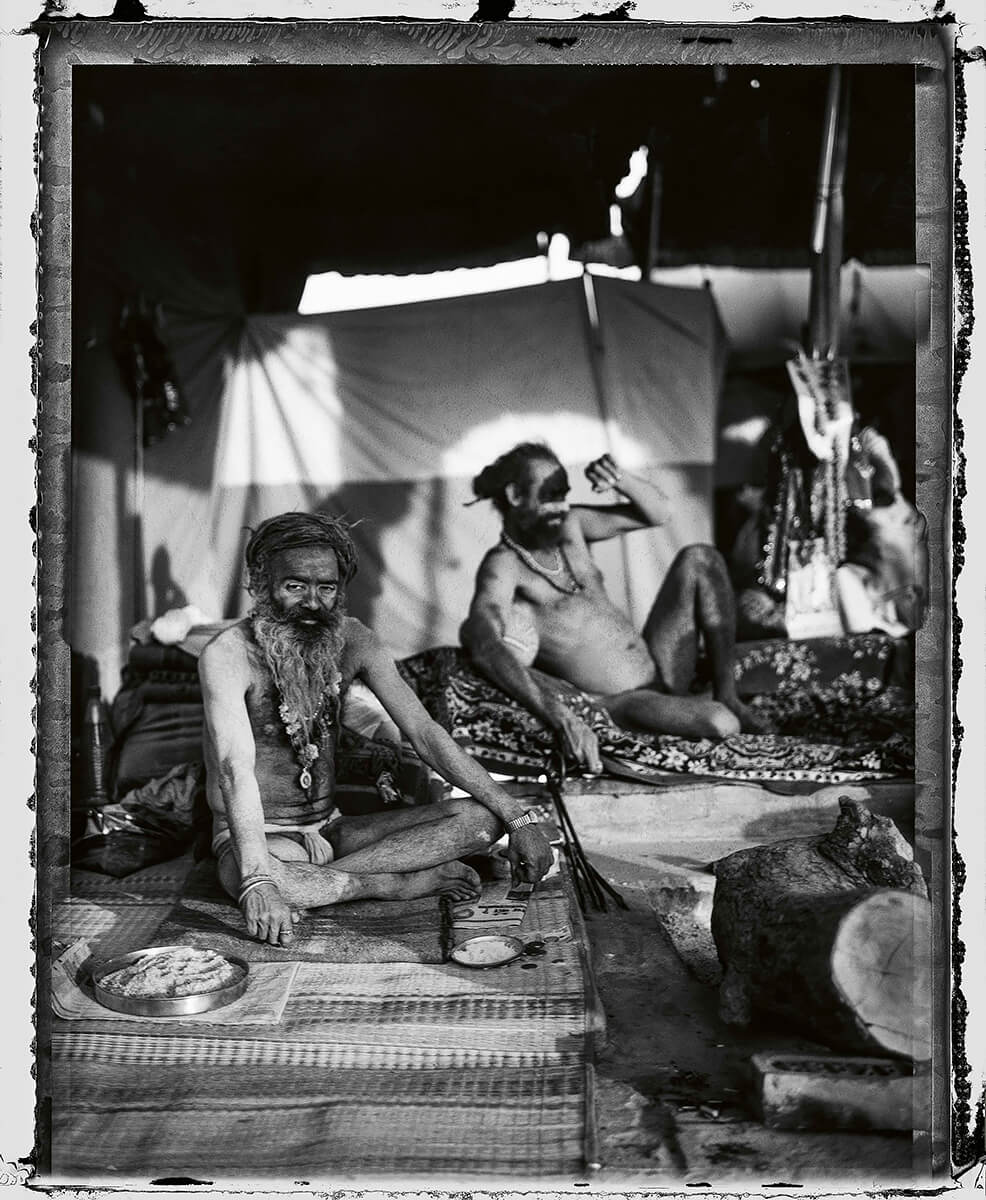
[(271, 686), (540, 601)]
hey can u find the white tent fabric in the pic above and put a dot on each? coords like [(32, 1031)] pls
[(385, 415), (884, 309)]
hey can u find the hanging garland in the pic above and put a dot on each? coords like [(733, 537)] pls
[(808, 495)]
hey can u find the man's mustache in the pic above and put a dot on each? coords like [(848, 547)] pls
[(306, 617)]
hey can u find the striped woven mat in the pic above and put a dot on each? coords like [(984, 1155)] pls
[(375, 1070), (361, 931), (184, 905)]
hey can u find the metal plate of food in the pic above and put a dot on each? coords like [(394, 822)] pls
[(169, 981), (487, 950)]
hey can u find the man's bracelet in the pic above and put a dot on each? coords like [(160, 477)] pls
[(254, 881), (528, 818)]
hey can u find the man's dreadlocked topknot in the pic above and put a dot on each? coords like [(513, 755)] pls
[(491, 482), (291, 530)]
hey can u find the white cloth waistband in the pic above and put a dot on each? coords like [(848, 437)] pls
[(319, 849)]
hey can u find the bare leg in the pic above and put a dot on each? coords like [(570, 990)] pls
[(697, 598), (684, 716), (413, 838), (304, 885)]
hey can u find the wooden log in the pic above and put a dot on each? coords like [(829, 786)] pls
[(821, 932)]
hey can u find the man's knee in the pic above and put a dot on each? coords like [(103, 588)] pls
[(717, 721), (480, 827), (228, 873), (700, 559)]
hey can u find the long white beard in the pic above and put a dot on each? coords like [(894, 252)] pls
[(304, 666)]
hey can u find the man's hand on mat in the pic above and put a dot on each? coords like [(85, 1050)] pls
[(578, 738), (529, 852), (268, 918)]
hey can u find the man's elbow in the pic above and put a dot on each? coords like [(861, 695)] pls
[(234, 771), (428, 739), (467, 633), (478, 639)]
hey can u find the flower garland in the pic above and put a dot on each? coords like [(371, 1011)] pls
[(808, 502)]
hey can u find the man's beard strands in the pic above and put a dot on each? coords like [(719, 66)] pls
[(304, 664), (544, 534)]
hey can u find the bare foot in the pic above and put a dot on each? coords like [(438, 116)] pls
[(750, 720), (455, 879), (306, 886)]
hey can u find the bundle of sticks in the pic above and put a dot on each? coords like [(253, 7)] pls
[(590, 887)]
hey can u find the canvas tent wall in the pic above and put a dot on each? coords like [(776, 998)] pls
[(385, 415)]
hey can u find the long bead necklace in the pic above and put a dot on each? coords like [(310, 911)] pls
[(569, 587), (305, 752), (298, 731)]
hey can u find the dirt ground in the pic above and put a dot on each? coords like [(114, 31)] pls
[(672, 1079)]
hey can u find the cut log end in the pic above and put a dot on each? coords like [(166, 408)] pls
[(881, 964)]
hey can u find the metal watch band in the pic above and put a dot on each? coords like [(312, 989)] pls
[(528, 818)]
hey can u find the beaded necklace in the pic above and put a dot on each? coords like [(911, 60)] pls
[(569, 587), (299, 730)]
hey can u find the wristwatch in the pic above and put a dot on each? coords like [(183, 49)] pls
[(528, 818)]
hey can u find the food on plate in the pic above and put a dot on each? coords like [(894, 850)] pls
[(487, 950), (181, 971)]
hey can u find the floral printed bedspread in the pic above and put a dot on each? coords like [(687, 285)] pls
[(842, 709)]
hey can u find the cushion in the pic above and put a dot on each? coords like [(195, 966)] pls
[(765, 667)]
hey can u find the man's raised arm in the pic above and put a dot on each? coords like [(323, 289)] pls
[(224, 674), (482, 635), (646, 505)]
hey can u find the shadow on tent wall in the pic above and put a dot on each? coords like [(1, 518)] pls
[(371, 508)]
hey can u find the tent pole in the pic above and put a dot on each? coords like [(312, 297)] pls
[(654, 226), (835, 234), (827, 227), (137, 516), (596, 350)]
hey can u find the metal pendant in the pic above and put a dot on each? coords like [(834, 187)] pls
[(305, 779)]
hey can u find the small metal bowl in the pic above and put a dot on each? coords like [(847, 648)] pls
[(166, 1006), (495, 949)]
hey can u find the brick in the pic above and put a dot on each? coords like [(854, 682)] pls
[(828, 1091)]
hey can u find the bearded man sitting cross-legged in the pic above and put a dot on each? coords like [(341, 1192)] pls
[(271, 686)]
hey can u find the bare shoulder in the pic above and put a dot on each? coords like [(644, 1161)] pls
[(499, 564), (359, 642), (572, 531), (227, 655)]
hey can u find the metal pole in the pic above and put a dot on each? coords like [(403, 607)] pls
[(137, 516), (826, 234)]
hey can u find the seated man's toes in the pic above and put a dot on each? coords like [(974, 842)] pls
[(721, 721), (459, 881)]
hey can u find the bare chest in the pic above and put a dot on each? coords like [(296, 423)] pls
[(560, 580)]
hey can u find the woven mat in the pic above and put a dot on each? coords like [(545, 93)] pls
[(375, 1069), (263, 1002), (117, 915), (546, 914), (214, 1120), (113, 925), (362, 931), (160, 882)]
